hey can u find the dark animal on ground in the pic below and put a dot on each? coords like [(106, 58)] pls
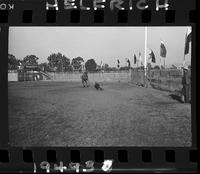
[(97, 86)]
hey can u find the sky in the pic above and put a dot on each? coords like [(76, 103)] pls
[(106, 44)]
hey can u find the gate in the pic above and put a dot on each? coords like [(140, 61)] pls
[(138, 77), (172, 80)]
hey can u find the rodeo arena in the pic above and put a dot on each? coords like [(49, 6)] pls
[(138, 106)]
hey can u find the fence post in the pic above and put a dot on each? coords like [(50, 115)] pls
[(24, 77), (187, 76), (159, 79), (169, 81), (34, 77), (186, 82)]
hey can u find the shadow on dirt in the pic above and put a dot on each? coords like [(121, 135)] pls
[(176, 97)]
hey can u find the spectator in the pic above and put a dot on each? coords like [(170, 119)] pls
[(186, 85)]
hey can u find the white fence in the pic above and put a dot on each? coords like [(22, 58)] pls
[(12, 76), (123, 76), (99, 77)]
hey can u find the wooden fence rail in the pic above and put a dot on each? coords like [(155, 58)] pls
[(170, 80)]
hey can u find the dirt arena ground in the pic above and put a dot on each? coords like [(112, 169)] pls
[(65, 114)]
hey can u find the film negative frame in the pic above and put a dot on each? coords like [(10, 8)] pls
[(125, 159)]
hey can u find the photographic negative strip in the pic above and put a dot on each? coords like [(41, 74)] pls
[(98, 86), (66, 90)]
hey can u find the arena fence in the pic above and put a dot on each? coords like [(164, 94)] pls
[(123, 76), (168, 79), (13, 76), (27, 76), (138, 77)]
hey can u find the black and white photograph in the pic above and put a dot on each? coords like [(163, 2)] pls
[(100, 86)]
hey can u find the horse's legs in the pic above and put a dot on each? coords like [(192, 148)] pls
[(83, 83)]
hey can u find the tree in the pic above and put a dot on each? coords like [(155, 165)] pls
[(140, 67), (59, 62), (90, 65), (13, 63), (156, 67), (162, 67), (76, 62), (69, 68), (45, 67), (112, 69), (149, 67), (98, 67), (30, 60), (173, 67), (124, 68), (106, 66)]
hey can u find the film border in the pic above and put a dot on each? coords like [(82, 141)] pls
[(184, 159)]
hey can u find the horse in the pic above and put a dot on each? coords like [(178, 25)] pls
[(84, 78)]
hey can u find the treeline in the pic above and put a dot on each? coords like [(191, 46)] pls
[(56, 62)]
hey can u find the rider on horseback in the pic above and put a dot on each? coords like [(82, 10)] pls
[(84, 78)]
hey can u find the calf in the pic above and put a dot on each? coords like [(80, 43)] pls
[(98, 87)]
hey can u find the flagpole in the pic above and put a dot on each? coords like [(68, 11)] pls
[(145, 55), (184, 59), (139, 59), (160, 62), (164, 63)]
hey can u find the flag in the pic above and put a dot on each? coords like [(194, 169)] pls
[(152, 56), (118, 63), (126, 59), (135, 59), (129, 64), (140, 57), (163, 50), (101, 65), (188, 39)]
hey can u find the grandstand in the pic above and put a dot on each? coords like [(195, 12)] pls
[(32, 73)]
